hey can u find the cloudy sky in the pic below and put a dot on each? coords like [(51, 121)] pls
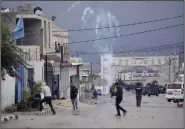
[(78, 15)]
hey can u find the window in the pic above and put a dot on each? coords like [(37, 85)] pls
[(174, 86)]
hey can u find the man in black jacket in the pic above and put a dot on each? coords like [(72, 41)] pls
[(73, 97), (138, 89), (119, 96)]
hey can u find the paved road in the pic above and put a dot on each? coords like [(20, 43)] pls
[(154, 113)]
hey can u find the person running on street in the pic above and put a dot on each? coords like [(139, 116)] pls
[(47, 97), (73, 97), (119, 96), (138, 90)]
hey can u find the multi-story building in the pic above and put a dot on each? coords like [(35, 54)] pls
[(161, 68), (43, 37)]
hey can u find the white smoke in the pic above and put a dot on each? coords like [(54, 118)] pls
[(97, 19), (87, 13), (103, 18), (73, 5)]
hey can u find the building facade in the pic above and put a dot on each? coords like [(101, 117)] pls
[(145, 69)]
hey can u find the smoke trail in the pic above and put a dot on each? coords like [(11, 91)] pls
[(73, 5), (110, 22), (97, 19), (86, 15)]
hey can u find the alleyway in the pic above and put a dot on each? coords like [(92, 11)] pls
[(155, 112)]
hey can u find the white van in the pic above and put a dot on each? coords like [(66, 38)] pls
[(175, 92)]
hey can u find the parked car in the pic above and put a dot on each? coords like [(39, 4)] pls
[(175, 92)]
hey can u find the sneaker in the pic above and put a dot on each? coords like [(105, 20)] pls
[(54, 113), (125, 113), (118, 115)]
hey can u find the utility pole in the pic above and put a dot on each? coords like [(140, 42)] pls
[(62, 53), (46, 68), (169, 70), (179, 62), (91, 76), (91, 73)]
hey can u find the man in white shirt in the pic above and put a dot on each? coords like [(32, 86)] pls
[(47, 97)]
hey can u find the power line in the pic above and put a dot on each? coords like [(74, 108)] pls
[(117, 26), (124, 25), (147, 31), (136, 50)]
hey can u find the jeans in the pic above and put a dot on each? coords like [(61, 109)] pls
[(74, 103), (118, 107), (48, 101)]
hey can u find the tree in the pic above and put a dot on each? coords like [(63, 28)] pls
[(10, 53)]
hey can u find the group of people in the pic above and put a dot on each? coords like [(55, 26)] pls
[(45, 89), (117, 91)]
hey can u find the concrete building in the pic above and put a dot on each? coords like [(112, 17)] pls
[(145, 69), (43, 37)]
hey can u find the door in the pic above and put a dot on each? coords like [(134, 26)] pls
[(19, 86), (55, 86)]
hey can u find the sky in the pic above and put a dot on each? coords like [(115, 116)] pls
[(92, 14)]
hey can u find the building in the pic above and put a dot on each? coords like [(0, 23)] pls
[(145, 69), (43, 37)]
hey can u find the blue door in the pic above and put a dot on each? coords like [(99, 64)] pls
[(19, 86)]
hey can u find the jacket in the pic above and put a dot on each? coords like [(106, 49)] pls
[(138, 90), (73, 92), (118, 91)]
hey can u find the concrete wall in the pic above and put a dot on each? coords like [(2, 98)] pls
[(7, 92), (32, 52), (72, 71), (64, 83), (38, 70)]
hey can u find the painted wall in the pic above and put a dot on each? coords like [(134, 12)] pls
[(8, 92)]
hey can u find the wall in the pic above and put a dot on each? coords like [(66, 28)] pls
[(7, 92), (33, 32), (64, 83), (38, 70), (72, 71), (33, 52)]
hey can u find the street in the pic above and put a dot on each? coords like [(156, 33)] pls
[(155, 112)]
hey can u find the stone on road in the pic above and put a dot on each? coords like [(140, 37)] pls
[(155, 112)]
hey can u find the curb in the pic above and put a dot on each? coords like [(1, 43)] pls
[(46, 112), (9, 118)]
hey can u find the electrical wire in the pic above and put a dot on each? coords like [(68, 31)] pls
[(131, 24), (136, 33), (135, 50), (118, 26)]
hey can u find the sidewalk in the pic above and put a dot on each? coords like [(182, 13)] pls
[(6, 117)]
